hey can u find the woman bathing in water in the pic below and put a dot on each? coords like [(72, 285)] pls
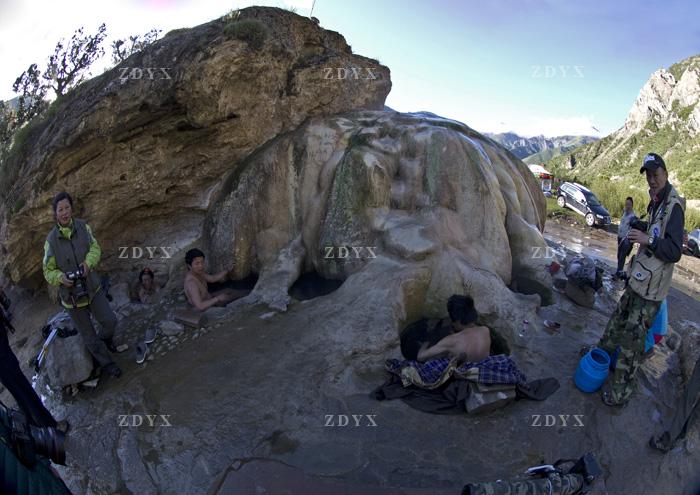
[(147, 287)]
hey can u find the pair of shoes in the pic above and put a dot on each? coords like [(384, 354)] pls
[(110, 345), (151, 333), (112, 370), (63, 426), (141, 351)]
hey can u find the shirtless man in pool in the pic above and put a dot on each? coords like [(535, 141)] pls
[(196, 282), (469, 342)]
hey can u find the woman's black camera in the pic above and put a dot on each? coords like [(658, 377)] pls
[(79, 283)]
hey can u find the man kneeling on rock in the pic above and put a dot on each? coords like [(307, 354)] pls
[(469, 342), (196, 280)]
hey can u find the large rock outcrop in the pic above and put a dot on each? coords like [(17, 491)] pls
[(342, 193), (144, 150)]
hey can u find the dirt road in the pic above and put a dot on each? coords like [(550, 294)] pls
[(684, 297)]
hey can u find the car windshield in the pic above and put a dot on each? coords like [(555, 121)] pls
[(591, 200)]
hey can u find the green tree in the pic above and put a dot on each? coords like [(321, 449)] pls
[(123, 49), (69, 64), (8, 123), (32, 93)]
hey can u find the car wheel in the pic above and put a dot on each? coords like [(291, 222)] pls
[(561, 201), (590, 219)]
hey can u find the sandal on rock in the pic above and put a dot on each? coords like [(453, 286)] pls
[(606, 397)]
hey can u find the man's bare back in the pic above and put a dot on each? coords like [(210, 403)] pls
[(473, 344)]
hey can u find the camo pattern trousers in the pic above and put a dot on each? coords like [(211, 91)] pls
[(554, 484), (627, 329)]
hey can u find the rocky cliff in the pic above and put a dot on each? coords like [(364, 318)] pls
[(146, 145), (665, 118)]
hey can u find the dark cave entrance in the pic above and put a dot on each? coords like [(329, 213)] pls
[(311, 285)]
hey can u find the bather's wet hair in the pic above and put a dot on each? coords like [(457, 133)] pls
[(192, 254), (461, 309)]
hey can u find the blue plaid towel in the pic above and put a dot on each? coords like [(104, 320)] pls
[(494, 370)]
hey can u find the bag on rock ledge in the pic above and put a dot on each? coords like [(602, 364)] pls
[(583, 272)]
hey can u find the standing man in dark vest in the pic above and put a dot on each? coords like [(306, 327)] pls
[(71, 254), (650, 272)]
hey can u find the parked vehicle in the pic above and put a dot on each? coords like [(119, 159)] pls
[(583, 201), (691, 243)]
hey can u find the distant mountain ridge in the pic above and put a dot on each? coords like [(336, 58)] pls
[(537, 149)]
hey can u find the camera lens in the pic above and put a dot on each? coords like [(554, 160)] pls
[(49, 442)]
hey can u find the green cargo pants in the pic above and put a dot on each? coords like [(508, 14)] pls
[(627, 328)]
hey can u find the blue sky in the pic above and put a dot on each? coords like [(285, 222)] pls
[(532, 66)]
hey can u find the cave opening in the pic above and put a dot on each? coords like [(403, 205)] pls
[(311, 285)]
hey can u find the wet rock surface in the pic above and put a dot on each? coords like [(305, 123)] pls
[(263, 389), (248, 397)]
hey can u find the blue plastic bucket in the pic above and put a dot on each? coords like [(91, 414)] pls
[(592, 370)]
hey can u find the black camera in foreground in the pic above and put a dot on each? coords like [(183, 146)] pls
[(80, 289), (28, 441)]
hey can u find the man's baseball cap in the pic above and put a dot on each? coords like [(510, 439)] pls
[(651, 162)]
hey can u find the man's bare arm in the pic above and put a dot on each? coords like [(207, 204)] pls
[(217, 277), (437, 350)]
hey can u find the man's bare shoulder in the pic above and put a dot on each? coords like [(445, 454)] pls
[(190, 281), (479, 330)]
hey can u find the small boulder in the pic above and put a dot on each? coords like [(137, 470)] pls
[(67, 362), (171, 327)]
